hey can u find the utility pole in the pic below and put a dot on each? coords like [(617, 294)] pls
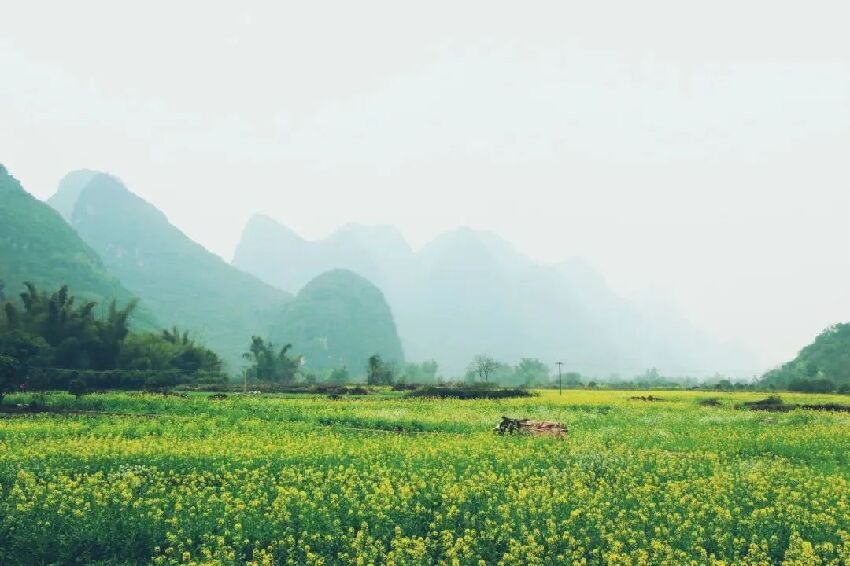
[(560, 385)]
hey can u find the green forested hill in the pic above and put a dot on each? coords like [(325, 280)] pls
[(37, 245), (822, 365), (182, 282), (339, 319)]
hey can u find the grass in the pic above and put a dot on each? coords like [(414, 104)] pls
[(277, 479)]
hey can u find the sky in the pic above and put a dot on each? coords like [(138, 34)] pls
[(700, 150)]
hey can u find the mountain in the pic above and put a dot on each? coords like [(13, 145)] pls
[(37, 245), (282, 258), (470, 292), (182, 282), (822, 365), (65, 198), (339, 319)]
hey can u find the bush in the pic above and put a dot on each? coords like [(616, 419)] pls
[(53, 379), (773, 403)]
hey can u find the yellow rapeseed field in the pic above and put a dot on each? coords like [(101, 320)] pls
[(274, 480)]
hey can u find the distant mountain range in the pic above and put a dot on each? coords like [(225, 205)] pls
[(467, 292), (470, 292)]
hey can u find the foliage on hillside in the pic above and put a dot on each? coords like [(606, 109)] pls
[(37, 245), (823, 365), (339, 320)]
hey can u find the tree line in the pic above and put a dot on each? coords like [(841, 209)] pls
[(49, 339), (267, 363), (48, 334)]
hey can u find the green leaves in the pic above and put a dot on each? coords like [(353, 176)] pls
[(823, 365), (50, 330), (269, 365)]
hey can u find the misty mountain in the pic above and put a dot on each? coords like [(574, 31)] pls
[(279, 256), (37, 245), (68, 192), (178, 279), (339, 319), (470, 292)]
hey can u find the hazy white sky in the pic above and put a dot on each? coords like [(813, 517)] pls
[(702, 148)]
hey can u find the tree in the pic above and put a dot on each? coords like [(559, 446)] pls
[(271, 366), (10, 375), (54, 330), (429, 371), (25, 348), (572, 379), (73, 336), (112, 331), (161, 381), (531, 371), (77, 388), (162, 351), (339, 376), (263, 362), (424, 372), (483, 366), (652, 374), (378, 372)]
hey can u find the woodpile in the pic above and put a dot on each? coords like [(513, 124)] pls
[(528, 426)]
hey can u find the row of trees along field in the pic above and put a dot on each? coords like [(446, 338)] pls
[(277, 365), (51, 339)]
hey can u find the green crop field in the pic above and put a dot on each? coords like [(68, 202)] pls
[(128, 479)]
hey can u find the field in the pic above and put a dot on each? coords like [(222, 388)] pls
[(310, 480)]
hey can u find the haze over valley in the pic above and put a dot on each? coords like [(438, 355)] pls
[(709, 174), (365, 289)]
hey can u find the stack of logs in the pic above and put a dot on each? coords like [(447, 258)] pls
[(512, 426)]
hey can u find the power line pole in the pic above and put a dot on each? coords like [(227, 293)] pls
[(560, 384)]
